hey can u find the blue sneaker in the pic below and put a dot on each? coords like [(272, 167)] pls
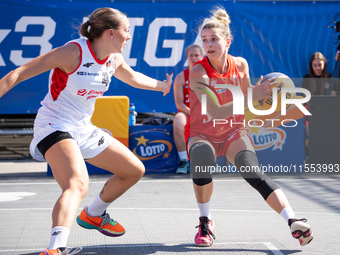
[(184, 167)]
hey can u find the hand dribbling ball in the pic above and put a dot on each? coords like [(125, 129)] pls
[(283, 81)]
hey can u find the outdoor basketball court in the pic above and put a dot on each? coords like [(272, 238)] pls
[(160, 215)]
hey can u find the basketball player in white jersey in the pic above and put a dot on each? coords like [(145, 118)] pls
[(81, 72)]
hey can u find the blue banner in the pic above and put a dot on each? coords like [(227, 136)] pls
[(272, 36), (281, 148), (154, 146)]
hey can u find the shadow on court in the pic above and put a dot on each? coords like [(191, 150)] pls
[(160, 214), (153, 248)]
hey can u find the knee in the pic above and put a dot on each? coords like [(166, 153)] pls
[(83, 187), (201, 154), (79, 185), (202, 159), (179, 123), (137, 171), (178, 127), (140, 171)]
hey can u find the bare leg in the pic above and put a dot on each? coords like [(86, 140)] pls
[(70, 172), (125, 166), (203, 193), (180, 121), (277, 200)]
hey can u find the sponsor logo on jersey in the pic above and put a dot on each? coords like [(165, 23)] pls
[(232, 135), (88, 65), (213, 82), (92, 74), (87, 73), (105, 78), (90, 94), (220, 90), (81, 92)]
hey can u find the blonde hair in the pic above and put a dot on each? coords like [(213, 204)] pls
[(192, 46), (220, 19), (100, 20)]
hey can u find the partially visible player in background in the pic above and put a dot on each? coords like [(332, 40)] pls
[(63, 133), (194, 53)]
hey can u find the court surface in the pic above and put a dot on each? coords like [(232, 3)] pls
[(160, 214)]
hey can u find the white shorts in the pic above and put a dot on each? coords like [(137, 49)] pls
[(91, 139)]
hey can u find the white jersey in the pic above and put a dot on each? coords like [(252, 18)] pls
[(71, 97), (69, 104)]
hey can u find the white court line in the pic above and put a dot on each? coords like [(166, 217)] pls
[(172, 209), (158, 181), (270, 246)]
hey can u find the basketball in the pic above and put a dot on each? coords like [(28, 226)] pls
[(283, 82)]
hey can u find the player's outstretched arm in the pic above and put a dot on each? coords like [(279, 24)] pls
[(138, 80), (65, 58)]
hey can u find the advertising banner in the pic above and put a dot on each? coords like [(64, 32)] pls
[(154, 146), (271, 36)]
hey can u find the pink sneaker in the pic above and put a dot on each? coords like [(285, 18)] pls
[(300, 230), (205, 236), (61, 251)]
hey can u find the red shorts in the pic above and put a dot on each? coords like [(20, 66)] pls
[(221, 147)]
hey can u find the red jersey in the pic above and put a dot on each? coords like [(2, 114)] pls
[(202, 125), (186, 89)]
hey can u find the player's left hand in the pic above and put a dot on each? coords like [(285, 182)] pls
[(168, 83), (263, 89)]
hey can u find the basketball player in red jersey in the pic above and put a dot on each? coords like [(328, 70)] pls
[(205, 142), (194, 53)]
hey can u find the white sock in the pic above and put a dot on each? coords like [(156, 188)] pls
[(287, 213), (98, 207), (59, 236), (183, 155), (204, 209)]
